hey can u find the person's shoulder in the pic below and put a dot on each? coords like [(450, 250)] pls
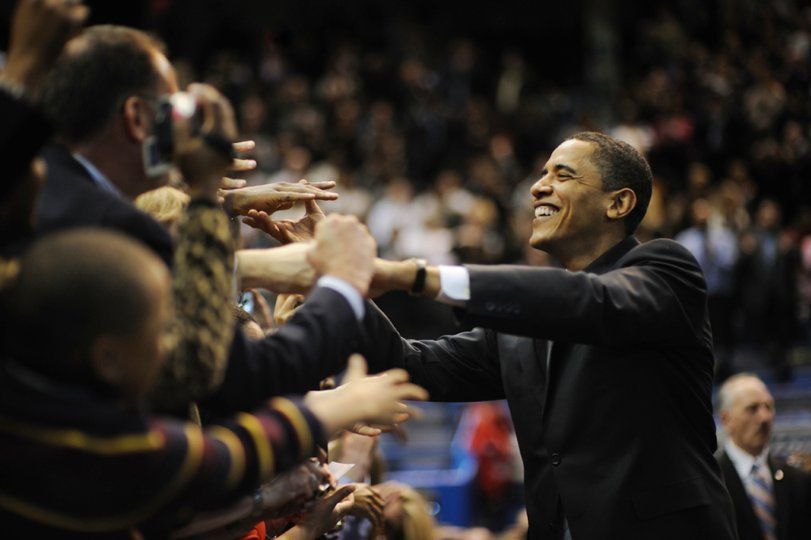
[(663, 249), (790, 471)]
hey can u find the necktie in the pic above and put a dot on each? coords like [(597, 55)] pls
[(760, 493)]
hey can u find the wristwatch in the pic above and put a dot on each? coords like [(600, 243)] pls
[(419, 280)]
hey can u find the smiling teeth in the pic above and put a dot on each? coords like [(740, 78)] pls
[(545, 211)]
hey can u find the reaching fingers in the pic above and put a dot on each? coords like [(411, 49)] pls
[(317, 189), (366, 430), (395, 376), (313, 210), (411, 391), (356, 369), (340, 494), (261, 221), (326, 184), (241, 165), (244, 146), (232, 183)]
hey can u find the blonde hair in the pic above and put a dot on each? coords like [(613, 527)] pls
[(165, 204), (418, 524)]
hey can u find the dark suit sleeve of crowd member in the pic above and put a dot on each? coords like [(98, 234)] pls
[(463, 367), (23, 131), (658, 295), (313, 344), (202, 329)]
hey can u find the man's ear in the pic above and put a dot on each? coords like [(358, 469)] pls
[(106, 361), (135, 113), (622, 203)]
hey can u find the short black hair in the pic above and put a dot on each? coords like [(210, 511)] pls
[(621, 166), (97, 71), (73, 287)]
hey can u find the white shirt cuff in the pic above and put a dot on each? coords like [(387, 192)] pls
[(347, 291), (454, 285)]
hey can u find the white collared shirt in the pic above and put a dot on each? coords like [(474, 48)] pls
[(744, 461)]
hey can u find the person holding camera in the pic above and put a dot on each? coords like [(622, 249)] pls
[(104, 97)]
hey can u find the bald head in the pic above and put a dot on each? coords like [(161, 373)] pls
[(747, 412), (78, 289)]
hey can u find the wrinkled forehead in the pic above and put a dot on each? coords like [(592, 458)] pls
[(750, 392), (574, 154)]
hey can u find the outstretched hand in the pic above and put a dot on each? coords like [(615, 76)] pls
[(202, 165), (344, 249), (287, 231), (239, 165), (326, 512), (377, 400), (356, 371), (269, 198)]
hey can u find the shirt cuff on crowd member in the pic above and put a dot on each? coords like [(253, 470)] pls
[(454, 285), (347, 291)]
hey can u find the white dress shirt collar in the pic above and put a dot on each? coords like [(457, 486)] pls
[(744, 461)]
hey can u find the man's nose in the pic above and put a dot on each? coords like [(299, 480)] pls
[(541, 188)]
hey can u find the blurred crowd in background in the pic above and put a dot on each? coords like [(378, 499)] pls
[(434, 141)]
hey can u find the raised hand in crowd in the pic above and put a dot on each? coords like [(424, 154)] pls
[(239, 165), (368, 504), (376, 400), (284, 495), (272, 197), (344, 249), (356, 371), (282, 270), (202, 161), (286, 307), (288, 231), (261, 311), (39, 31), (324, 515)]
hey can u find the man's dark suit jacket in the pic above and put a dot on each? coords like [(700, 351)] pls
[(621, 437), (792, 494), (314, 344), (70, 198), (23, 131)]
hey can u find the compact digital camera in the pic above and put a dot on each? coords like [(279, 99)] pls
[(158, 148)]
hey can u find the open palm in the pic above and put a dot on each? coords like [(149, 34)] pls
[(287, 231)]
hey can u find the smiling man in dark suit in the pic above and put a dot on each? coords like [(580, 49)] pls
[(607, 365), (772, 499)]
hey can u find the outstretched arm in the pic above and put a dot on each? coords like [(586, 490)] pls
[(657, 296)]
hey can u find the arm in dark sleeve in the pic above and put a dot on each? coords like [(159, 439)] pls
[(658, 296), (463, 367), (23, 131), (313, 345)]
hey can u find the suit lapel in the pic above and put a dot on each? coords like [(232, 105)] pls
[(525, 352), (781, 498), (740, 499), (556, 352)]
